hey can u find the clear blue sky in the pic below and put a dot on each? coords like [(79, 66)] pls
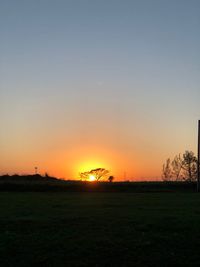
[(81, 76)]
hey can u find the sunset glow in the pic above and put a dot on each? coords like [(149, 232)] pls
[(98, 85), (100, 133), (92, 178)]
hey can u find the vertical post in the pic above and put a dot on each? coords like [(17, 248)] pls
[(198, 159)]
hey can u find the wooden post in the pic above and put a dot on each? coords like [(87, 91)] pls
[(198, 159)]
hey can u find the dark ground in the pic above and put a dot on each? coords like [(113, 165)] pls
[(99, 229), (38, 183)]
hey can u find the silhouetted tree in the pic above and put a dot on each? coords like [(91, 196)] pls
[(177, 165), (111, 178), (181, 168), (189, 165), (166, 170), (84, 175), (98, 173)]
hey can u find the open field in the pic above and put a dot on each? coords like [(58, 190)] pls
[(99, 229)]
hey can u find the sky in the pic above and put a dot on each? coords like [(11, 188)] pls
[(98, 83)]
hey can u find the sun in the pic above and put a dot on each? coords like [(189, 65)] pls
[(92, 178)]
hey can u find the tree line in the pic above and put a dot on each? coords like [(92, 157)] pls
[(181, 168)]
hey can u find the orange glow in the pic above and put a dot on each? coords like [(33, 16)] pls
[(67, 163), (92, 178), (85, 158), (90, 165), (122, 166)]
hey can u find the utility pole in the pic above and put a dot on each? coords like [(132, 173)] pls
[(198, 159)]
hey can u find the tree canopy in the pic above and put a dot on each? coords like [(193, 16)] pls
[(97, 174), (181, 168)]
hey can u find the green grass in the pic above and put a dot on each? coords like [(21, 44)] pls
[(99, 229)]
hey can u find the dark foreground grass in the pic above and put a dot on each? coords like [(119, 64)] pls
[(99, 229)]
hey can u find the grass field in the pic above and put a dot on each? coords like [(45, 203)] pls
[(99, 229)]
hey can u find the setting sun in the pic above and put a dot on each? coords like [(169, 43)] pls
[(92, 178)]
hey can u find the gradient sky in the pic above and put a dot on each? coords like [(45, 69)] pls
[(107, 83)]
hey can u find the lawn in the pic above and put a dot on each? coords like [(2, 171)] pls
[(99, 229)]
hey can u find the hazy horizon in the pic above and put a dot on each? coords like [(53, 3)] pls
[(87, 84)]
